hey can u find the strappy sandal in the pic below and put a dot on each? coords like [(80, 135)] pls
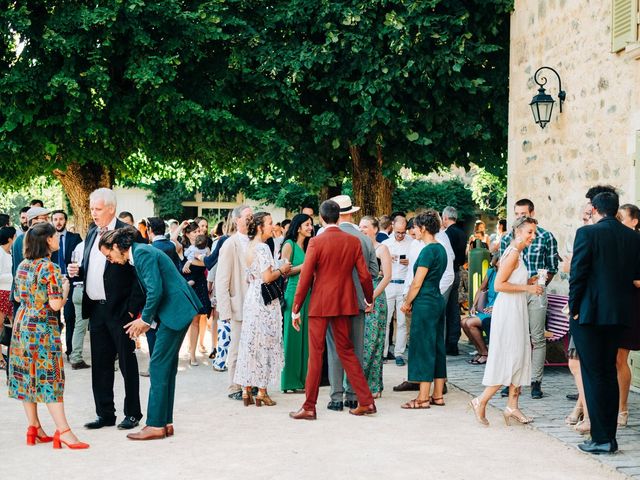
[(474, 360), (416, 404), (480, 362), (438, 402)]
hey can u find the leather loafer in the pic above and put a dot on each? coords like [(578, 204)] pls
[(406, 387), (148, 433), (350, 404), (169, 430), (80, 365), (335, 406), (99, 423), (303, 414), (573, 397), (128, 423), (599, 448), (364, 410)]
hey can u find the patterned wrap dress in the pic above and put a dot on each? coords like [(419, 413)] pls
[(375, 327), (36, 371), (260, 353)]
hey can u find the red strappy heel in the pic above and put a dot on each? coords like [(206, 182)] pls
[(33, 437), (57, 441)]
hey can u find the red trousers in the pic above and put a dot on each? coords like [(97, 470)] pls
[(317, 340)]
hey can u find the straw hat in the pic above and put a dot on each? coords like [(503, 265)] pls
[(344, 201)]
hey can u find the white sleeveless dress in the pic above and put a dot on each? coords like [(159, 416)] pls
[(509, 360)]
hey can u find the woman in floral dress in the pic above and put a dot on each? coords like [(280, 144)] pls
[(36, 371), (260, 353), (375, 322)]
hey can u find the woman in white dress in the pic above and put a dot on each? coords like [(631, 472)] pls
[(260, 353), (509, 361)]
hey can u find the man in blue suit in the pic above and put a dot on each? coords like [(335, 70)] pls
[(171, 304)]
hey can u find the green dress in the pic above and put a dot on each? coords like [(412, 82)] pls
[(427, 355), (296, 344)]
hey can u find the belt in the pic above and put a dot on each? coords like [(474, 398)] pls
[(399, 282), (101, 302)]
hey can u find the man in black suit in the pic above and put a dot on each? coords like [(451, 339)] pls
[(112, 297), (605, 265), (458, 241), (68, 242)]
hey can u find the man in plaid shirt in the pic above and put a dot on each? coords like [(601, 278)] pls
[(542, 254)]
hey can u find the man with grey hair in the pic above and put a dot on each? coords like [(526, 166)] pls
[(231, 287), (112, 297), (458, 241)]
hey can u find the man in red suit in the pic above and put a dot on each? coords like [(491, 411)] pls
[(329, 263)]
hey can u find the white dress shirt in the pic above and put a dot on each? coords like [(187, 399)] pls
[(397, 248), (415, 248), (6, 276), (94, 277), (447, 277)]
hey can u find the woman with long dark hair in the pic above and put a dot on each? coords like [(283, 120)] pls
[(36, 370), (629, 216), (296, 343), (195, 270), (260, 353)]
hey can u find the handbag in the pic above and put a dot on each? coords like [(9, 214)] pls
[(5, 335), (272, 291)]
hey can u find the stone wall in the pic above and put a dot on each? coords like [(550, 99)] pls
[(593, 140)]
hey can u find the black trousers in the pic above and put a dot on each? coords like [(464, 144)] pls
[(597, 348), (452, 313), (108, 339), (69, 320)]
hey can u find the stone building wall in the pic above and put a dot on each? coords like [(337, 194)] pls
[(593, 140)]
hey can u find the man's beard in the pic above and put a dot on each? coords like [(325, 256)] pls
[(24, 227), (61, 229)]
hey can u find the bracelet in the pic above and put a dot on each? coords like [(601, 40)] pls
[(281, 274)]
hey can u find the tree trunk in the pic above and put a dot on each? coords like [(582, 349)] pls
[(372, 191), (78, 181), (329, 191)]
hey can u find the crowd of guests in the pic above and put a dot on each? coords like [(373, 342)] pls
[(275, 294)]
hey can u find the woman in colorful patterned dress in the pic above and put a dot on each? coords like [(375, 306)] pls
[(375, 322), (36, 371)]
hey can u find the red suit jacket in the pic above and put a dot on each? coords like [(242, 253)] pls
[(329, 263)]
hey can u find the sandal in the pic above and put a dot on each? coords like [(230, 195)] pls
[(575, 416), (474, 360), (416, 404), (479, 361), (438, 402)]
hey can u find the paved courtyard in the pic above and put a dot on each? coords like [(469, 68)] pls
[(219, 438)]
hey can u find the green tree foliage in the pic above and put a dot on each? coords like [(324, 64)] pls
[(416, 194), (489, 192), (41, 188)]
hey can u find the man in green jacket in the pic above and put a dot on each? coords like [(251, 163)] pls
[(170, 307)]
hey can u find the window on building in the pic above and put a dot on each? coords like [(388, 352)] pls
[(624, 24)]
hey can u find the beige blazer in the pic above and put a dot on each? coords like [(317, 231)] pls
[(231, 284)]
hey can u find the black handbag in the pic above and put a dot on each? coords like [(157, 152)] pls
[(272, 291), (5, 335)]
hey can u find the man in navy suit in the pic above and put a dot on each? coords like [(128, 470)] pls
[(68, 242), (112, 298), (604, 269)]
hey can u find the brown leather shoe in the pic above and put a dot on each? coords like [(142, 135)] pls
[(406, 387), (148, 433), (364, 410), (303, 414), (169, 430)]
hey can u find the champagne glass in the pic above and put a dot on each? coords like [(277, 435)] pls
[(75, 261), (542, 281)]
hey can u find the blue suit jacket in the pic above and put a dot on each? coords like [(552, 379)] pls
[(169, 296)]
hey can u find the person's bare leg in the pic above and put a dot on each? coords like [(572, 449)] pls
[(202, 332), (425, 389), (574, 368), (214, 330), (484, 398), (474, 332), (193, 338), (438, 388), (624, 379), (56, 410), (31, 409)]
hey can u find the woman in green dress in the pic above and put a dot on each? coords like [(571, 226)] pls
[(296, 343), (375, 322), (427, 356)]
